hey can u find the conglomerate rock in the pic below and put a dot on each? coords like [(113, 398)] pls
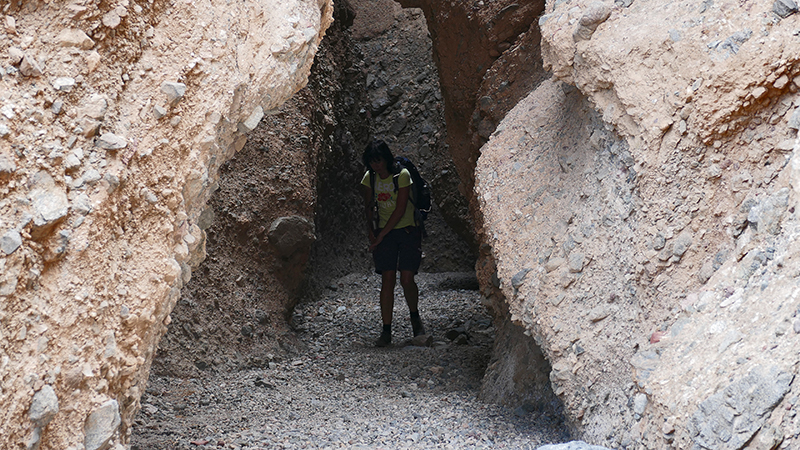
[(115, 118), (644, 225)]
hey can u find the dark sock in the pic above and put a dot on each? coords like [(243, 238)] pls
[(387, 328), (415, 314)]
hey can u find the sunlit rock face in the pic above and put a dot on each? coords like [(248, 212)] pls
[(641, 211), (115, 118)]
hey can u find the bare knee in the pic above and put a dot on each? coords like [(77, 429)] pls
[(388, 279), (407, 279)]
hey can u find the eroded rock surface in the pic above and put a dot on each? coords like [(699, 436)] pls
[(652, 210), (115, 120)]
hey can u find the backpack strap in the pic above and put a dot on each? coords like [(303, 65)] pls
[(395, 180), (376, 220)]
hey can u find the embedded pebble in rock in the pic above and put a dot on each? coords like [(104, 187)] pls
[(71, 162), (10, 242), (174, 91), (784, 8), (15, 55), (82, 204), (29, 67), (682, 244), (49, 201), (44, 406), (91, 176), (7, 165), (95, 107), (340, 391), (596, 13), (111, 141), (101, 425), (73, 37), (576, 262), (291, 234), (63, 84), (159, 111)]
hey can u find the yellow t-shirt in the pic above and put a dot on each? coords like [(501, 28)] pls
[(387, 198)]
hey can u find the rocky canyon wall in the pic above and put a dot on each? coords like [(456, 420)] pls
[(641, 211), (116, 117)]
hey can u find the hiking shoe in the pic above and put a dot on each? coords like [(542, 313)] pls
[(384, 340), (416, 325)]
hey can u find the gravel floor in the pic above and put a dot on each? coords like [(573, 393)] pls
[(342, 392)]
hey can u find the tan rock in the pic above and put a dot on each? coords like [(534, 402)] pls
[(11, 25), (92, 61), (29, 67), (15, 55), (74, 37)]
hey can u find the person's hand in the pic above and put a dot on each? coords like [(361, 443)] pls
[(375, 243)]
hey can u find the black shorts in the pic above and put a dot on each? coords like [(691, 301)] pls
[(401, 249)]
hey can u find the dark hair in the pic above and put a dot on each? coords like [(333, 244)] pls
[(377, 150)]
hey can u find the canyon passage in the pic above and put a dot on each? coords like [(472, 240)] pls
[(613, 249)]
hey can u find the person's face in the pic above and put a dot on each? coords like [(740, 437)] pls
[(378, 165)]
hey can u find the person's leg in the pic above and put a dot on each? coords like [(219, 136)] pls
[(386, 264), (409, 261), (388, 280), (410, 289), (411, 292)]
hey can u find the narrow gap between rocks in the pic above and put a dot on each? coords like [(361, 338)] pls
[(242, 366)]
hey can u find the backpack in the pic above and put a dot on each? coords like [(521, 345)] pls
[(420, 190)]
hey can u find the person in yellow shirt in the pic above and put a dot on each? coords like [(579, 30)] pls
[(395, 240)]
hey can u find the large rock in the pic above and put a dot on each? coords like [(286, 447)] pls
[(290, 235), (666, 169), (113, 263)]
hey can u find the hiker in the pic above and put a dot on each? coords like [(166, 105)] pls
[(395, 241)]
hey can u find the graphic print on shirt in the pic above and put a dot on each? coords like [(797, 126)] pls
[(384, 190)]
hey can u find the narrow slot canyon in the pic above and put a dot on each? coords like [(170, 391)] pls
[(238, 369), (611, 259)]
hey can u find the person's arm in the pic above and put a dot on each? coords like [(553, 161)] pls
[(369, 210), (397, 214)]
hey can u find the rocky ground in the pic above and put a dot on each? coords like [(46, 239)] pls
[(337, 390)]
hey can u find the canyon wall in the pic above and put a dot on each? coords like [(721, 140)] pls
[(116, 118), (641, 211)]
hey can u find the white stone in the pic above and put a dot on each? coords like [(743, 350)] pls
[(8, 111), (111, 19), (63, 84), (110, 141), (252, 122)]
